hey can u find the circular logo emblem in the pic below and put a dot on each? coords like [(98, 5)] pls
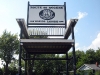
[(46, 14)]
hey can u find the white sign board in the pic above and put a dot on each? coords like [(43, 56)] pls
[(46, 15)]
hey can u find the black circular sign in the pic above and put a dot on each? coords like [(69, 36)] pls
[(46, 14)]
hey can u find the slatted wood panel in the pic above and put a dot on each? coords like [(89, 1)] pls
[(49, 46)]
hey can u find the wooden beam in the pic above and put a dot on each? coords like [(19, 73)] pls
[(72, 23), (22, 25), (46, 41), (47, 58)]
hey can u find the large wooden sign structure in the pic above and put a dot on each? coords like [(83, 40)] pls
[(46, 14), (46, 20)]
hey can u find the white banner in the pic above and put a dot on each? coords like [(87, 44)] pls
[(46, 15)]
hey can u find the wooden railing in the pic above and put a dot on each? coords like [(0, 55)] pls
[(49, 31)]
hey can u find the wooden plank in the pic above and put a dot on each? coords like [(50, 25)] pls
[(72, 23), (22, 25), (46, 41)]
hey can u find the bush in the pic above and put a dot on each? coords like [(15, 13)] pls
[(1, 72), (97, 73)]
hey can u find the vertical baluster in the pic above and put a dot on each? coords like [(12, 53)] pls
[(55, 30), (52, 30), (43, 31), (58, 31), (40, 31), (28, 31), (35, 31), (49, 30), (46, 30), (31, 31), (62, 30)]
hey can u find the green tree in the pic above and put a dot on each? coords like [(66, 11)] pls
[(97, 55), (8, 46), (80, 57), (1, 72), (97, 73), (90, 57), (49, 67)]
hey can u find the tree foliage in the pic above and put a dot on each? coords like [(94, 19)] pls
[(8, 46), (49, 67)]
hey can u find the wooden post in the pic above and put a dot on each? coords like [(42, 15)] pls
[(20, 52), (73, 47), (66, 63)]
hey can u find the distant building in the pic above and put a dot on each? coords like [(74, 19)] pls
[(90, 67)]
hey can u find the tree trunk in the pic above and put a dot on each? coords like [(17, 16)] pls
[(6, 69)]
